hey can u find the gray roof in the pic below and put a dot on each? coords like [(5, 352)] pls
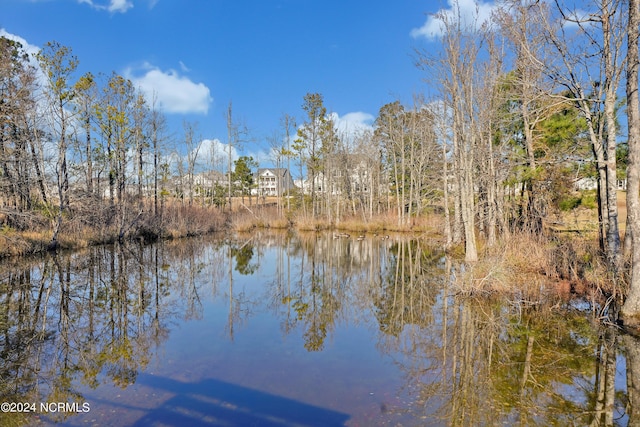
[(275, 171)]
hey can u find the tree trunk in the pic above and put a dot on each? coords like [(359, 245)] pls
[(632, 346), (464, 152), (613, 234), (36, 164), (88, 154), (445, 196), (630, 312)]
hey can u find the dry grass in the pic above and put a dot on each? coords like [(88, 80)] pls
[(182, 221), (258, 217), (14, 244), (584, 221), (312, 224), (430, 225), (248, 218), (622, 212), (79, 230), (530, 268), (354, 224), (243, 221), (511, 266)]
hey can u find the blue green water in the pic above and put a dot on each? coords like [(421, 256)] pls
[(273, 329)]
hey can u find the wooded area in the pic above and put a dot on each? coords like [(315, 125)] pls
[(520, 108)]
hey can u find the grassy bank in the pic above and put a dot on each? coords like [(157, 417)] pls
[(247, 218), (522, 267), (562, 262), (527, 267), (80, 230), (565, 260)]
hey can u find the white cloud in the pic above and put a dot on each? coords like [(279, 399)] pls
[(119, 6), (209, 154), (265, 158), (31, 51), (183, 67), (174, 93), (350, 126), (353, 124), (472, 15), (212, 154), (28, 48), (217, 152), (113, 6)]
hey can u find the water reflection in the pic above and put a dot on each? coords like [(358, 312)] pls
[(284, 329)]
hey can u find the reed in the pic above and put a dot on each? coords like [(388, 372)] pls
[(81, 229), (15, 244), (528, 267), (429, 224), (311, 224), (183, 221), (258, 217)]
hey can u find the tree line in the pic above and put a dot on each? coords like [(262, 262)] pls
[(72, 145), (531, 99), (521, 105)]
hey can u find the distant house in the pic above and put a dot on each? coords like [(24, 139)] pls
[(358, 178), (196, 185), (586, 184), (592, 184), (273, 181), (208, 179)]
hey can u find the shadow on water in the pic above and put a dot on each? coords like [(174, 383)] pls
[(212, 403)]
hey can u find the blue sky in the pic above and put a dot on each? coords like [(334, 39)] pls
[(263, 55)]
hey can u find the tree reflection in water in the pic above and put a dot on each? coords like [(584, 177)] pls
[(72, 321), (481, 362), (87, 317)]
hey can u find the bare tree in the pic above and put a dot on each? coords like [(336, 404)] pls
[(141, 121), (390, 132), (589, 63), (193, 149), (288, 124), (519, 22), (85, 102), (278, 152), (237, 133), (231, 137), (630, 312), (21, 166), (462, 84), (215, 161), (157, 124), (59, 64)]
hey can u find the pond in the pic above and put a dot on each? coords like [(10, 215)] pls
[(277, 329)]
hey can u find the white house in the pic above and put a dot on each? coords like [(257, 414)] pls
[(273, 181), (592, 184), (358, 178)]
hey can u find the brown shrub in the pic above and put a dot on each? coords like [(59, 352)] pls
[(181, 221), (531, 267)]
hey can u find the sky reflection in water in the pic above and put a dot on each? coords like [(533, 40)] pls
[(273, 329)]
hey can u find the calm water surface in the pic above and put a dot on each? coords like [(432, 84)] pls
[(272, 329)]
